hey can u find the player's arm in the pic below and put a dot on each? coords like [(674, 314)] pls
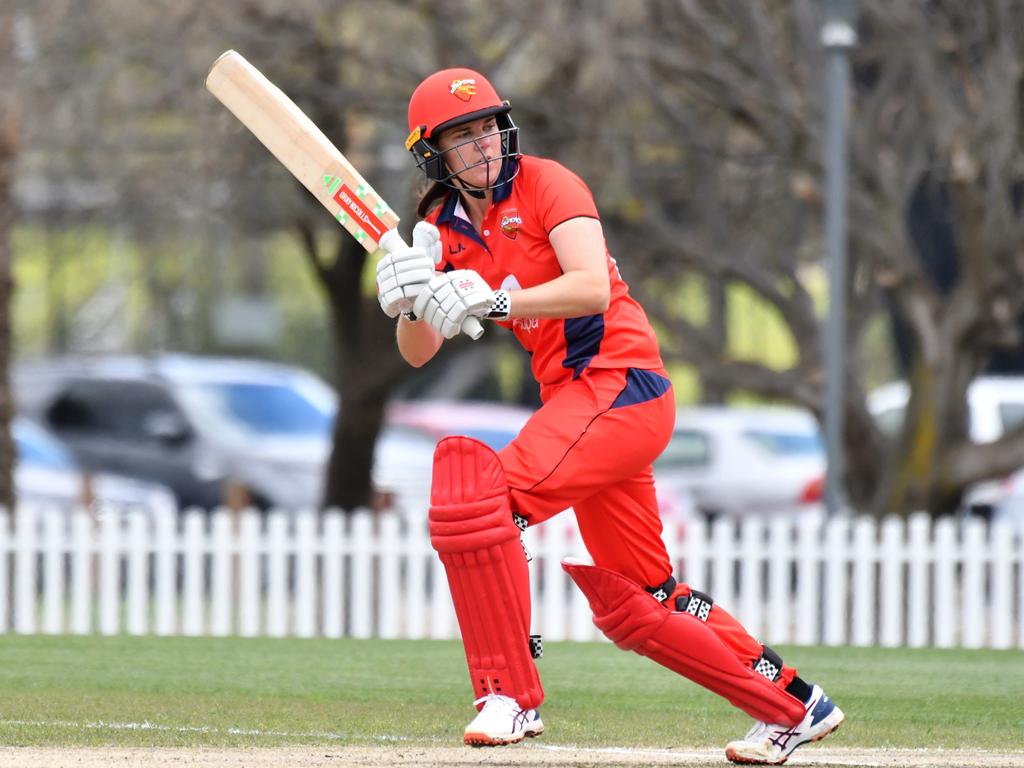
[(417, 341), (583, 287)]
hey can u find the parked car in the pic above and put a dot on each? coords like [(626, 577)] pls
[(995, 406), (405, 449), (744, 460), (495, 424), (197, 425), (46, 475)]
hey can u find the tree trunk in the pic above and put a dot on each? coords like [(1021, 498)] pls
[(10, 130), (368, 366)]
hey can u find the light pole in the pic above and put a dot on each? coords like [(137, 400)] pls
[(838, 35)]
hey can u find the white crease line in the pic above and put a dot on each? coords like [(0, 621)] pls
[(145, 725)]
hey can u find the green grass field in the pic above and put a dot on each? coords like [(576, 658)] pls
[(262, 692)]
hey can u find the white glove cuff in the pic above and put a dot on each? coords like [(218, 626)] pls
[(502, 306)]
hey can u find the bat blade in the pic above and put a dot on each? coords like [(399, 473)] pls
[(301, 147)]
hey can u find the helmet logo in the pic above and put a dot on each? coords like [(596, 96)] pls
[(464, 88), (510, 224)]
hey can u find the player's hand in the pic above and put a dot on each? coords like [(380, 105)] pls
[(403, 272), (451, 297)]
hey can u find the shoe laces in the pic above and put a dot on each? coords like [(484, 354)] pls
[(497, 698)]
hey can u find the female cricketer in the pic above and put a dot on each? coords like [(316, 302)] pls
[(517, 239)]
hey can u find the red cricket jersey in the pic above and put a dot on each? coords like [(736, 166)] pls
[(512, 251)]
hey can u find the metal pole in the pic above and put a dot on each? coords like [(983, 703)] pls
[(837, 36)]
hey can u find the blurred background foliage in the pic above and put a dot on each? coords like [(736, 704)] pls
[(139, 216)]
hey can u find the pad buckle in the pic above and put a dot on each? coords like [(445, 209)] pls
[(696, 604), (768, 664), (663, 591), (536, 647)]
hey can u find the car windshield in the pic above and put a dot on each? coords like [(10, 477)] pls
[(687, 448), (495, 438), (36, 447), (782, 443), (1012, 415), (241, 410)]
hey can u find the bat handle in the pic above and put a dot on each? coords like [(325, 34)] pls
[(392, 240), (473, 328)]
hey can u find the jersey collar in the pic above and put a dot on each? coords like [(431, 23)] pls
[(453, 210)]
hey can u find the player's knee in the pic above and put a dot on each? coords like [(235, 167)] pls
[(470, 507)]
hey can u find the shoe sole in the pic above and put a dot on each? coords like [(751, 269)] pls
[(483, 740), (732, 757)]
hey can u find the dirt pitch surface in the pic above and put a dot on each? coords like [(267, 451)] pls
[(525, 756)]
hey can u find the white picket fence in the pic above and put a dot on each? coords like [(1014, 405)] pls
[(802, 580)]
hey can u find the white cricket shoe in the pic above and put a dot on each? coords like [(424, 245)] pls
[(501, 721), (772, 744)]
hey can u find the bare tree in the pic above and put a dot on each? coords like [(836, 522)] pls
[(734, 93)]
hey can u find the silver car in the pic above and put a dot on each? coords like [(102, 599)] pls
[(743, 460)]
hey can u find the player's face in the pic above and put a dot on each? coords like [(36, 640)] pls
[(473, 151)]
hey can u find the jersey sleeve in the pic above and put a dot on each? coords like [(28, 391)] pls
[(561, 195)]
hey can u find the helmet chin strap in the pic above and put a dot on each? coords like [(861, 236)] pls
[(478, 192)]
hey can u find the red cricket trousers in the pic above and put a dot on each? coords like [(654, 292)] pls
[(591, 447)]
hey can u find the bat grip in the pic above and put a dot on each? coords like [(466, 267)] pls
[(392, 240), (472, 327)]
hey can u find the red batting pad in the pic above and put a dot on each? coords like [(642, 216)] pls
[(472, 530), (636, 621)]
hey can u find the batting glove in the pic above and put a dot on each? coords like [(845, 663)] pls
[(404, 271), (451, 297)]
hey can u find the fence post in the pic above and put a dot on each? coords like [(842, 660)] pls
[(332, 574), (81, 571), (305, 567), (808, 530), (919, 555), (192, 603), (780, 598), (277, 586), (25, 522), (389, 585), (362, 552), (417, 549), (751, 601), (892, 582), (1001, 539), (972, 598), (166, 548), (864, 583), (723, 557), (221, 548), (251, 547), (837, 531), (553, 602), (138, 557), (946, 595), (53, 571)]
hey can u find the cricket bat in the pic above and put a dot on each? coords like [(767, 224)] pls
[(303, 149)]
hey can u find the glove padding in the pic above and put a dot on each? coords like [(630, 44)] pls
[(403, 272), (451, 297)]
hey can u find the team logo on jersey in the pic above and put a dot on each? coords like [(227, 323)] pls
[(464, 89), (510, 224), (510, 283)]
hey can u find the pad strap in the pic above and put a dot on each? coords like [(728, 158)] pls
[(663, 591), (769, 664)]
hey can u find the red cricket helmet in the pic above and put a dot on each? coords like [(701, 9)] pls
[(449, 98)]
